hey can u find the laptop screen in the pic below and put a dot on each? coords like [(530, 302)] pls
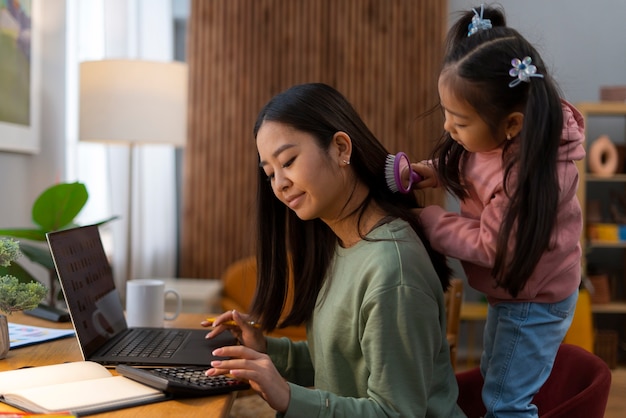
[(87, 281)]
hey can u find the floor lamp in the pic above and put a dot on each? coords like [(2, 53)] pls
[(133, 102)]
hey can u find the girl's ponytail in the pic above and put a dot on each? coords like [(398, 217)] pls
[(535, 199), (465, 27)]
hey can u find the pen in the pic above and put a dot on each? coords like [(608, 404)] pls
[(233, 323)]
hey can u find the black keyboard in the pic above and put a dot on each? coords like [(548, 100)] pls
[(182, 380), (150, 343)]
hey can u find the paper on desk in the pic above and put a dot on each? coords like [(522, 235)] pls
[(23, 335)]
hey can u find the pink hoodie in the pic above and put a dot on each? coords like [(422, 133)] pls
[(471, 235)]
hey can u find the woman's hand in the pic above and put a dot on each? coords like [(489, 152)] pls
[(248, 333), (255, 368), (429, 176)]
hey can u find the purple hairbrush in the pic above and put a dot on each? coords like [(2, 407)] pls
[(394, 166)]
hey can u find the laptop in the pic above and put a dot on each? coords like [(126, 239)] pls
[(97, 314)]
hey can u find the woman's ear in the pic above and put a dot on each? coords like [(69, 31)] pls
[(513, 125), (342, 144)]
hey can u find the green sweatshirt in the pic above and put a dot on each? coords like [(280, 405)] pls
[(376, 345)]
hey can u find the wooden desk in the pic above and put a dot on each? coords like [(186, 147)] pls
[(66, 350)]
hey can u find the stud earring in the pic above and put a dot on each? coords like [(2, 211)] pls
[(508, 137), (346, 162)]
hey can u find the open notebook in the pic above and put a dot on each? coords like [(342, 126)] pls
[(80, 388)]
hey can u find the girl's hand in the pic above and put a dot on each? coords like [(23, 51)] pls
[(246, 332), (429, 176), (255, 368)]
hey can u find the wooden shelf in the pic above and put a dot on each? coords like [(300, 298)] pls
[(587, 179), (605, 244), (615, 178), (609, 308), (602, 108), (474, 311)]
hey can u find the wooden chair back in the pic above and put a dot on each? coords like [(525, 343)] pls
[(239, 286), (453, 299)]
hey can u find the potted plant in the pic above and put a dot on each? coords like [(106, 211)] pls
[(54, 209), (14, 295)]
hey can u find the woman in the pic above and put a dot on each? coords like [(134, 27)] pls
[(368, 288)]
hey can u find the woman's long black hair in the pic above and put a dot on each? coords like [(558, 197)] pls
[(288, 245), (477, 70)]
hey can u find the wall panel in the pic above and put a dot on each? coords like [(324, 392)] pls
[(384, 55)]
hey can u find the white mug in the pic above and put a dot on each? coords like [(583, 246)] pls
[(145, 303)]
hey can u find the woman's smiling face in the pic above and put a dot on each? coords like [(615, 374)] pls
[(305, 177)]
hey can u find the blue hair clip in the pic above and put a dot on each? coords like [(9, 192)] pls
[(522, 70), (478, 23)]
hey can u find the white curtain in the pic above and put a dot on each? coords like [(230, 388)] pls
[(136, 29)]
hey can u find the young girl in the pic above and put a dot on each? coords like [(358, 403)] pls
[(368, 288), (508, 154)]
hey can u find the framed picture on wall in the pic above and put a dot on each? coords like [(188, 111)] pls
[(19, 76)]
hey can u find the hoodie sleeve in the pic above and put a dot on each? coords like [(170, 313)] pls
[(573, 137), (463, 237)]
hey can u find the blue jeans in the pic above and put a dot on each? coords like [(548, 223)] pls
[(520, 343)]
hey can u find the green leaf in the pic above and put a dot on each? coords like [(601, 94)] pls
[(27, 233), (58, 205), (54, 210), (37, 254), (16, 270)]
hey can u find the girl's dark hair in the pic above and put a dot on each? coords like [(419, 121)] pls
[(476, 68), (288, 245)]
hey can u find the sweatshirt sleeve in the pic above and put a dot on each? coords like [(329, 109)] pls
[(465, 238), (292, 360)]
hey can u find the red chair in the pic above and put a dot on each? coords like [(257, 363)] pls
[(578, 387)]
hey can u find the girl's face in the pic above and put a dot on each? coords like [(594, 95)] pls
[(303, 176), (465, 125)]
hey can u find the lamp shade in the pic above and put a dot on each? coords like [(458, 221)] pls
[(133, 101)]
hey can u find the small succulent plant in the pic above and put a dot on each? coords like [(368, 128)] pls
[(15, 295)]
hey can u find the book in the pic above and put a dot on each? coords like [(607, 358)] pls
[(78, 388), (29, 415)]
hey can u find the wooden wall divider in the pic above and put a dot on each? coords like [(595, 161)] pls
[(384, 55)]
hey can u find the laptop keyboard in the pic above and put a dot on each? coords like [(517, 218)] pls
[(148, 343)]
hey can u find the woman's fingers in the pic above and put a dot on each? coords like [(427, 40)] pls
[(256, 368), (227, 321), (240, 360), (238, 351)]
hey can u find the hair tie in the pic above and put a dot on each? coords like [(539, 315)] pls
[(523, 70), (478, 23)]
